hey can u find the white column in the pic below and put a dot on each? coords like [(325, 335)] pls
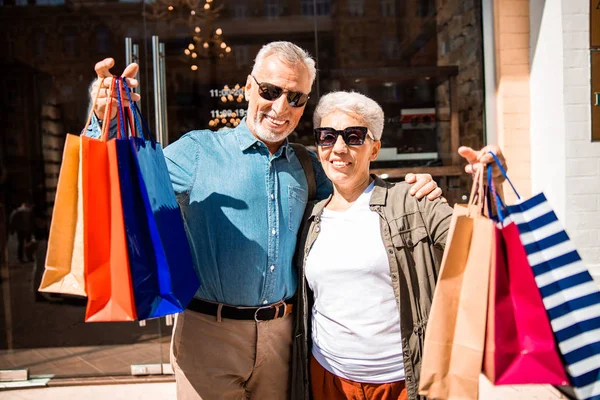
[(548, 154)]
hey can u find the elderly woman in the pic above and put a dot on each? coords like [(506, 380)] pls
[(368, 260)]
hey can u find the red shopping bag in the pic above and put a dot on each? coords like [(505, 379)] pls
[(107, 274), (520, 346)]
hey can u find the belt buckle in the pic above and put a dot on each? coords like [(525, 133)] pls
[(275, 306)]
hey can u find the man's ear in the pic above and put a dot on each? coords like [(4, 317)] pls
[(375, 150), (247, 87)]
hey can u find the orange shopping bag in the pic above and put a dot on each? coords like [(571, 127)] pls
[(107, 274)]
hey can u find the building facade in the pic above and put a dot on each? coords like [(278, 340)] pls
[(544, 103), (520, 73)]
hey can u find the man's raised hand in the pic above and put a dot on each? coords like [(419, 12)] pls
[(102, 84)]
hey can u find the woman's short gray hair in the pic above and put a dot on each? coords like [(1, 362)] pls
[(353, 104), (289, 53)]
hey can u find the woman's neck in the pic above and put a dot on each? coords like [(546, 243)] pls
[(345, 195)]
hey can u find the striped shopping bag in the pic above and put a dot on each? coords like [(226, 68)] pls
[(570, 296)]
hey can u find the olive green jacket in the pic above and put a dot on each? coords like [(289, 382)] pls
[(414, 234)]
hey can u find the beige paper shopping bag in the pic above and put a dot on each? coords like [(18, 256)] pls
[(64, 260), (455, 336)]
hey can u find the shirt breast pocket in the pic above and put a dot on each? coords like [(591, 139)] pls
[(409, 244), (409, 239), (297, 198)]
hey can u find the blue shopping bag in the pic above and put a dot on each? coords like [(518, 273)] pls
[(163, 277), (570, 295)]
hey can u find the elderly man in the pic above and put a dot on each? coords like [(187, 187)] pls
[(242, 193)]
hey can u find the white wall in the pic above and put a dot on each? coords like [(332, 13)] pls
[(548, 161), (582, 156), (565, 163)]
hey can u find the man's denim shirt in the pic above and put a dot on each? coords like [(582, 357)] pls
[(242, 209)]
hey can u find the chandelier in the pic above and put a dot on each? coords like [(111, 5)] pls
[(206, 45), (201, 17)]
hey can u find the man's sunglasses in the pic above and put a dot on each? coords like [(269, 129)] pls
[(271, 92), (353, 136)]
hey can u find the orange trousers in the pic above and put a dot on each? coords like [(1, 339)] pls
[(327, 386)]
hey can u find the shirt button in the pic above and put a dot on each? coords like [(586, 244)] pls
[(272, 268), (317, 229), (390, 251), (272, 196), (265, 302), (273, 231)]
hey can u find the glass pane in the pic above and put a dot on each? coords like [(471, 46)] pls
[(46, 69), (422, 60)]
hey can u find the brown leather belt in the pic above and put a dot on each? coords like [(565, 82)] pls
[(266, 313)]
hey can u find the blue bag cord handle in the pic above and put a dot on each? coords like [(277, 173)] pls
[(137, 113), (499, 164), (122, 130), (146, 127), (134, 109)]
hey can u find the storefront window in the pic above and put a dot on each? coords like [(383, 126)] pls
[(422, 60), (388, 8), (323, 7), (273, 8), (49, 2), (356, 8), (239, 10)]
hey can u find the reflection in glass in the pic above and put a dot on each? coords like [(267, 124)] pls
[(273, 8), (356, 8), (323, 7), (420, 59), (239, 10), (388, 8)]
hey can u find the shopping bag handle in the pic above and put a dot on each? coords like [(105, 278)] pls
[(106, 121), (503, 171), (122, 132), (476, 199), (136, 113), (500, 206), (132, 109), (94, 102)]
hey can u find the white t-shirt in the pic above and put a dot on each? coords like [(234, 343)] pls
[(355, 320)]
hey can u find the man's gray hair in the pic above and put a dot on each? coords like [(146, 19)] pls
[(289, 53), (354, 104)]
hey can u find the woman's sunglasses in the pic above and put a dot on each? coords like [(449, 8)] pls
[(353, 136), (271, 92)]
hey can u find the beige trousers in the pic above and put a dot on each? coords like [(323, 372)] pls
[(231, 359)]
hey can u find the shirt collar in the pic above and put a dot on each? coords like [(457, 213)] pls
[(246, 140), (378, 197)]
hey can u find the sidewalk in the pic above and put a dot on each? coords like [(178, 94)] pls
[(166, 391), (137, 391)]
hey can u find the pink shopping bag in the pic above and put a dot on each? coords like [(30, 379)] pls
[(520, 346)]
